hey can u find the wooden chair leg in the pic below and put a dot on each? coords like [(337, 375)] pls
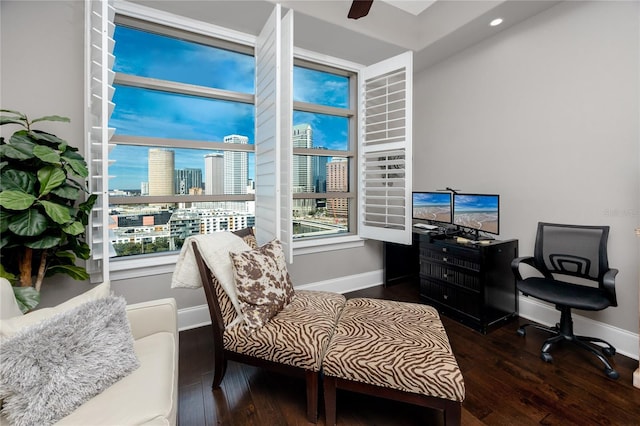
[(219, 370), (312, 395), (329, 400), (453, 414)]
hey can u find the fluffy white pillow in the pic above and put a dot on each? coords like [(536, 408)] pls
[(9, 327), (51, 368)]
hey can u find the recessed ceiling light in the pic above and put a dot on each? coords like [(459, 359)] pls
[(496, 22)]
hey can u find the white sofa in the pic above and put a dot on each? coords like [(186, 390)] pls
[(147, 396)]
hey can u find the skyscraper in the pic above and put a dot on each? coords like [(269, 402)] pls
[(338, 181), (161, 164), (302, 178), (320, 171), (214, 173), (186, 179), (302, 165), (236, 172)]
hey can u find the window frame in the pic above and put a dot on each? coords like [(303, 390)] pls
[(163, 262), (311, 60)]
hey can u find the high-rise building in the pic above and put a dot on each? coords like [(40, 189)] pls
[(302, 178), (236, 172), (302, 164), (161, 166), (214, 173), (320, 171), (186, 179), (144, 188), (338, 181)]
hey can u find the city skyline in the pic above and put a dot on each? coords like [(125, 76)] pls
[(155, 114)]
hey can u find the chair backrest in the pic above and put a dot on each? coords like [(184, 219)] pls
[(574, 250), (221, 308)]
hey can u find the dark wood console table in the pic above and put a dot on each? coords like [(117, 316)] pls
[(471, 282)]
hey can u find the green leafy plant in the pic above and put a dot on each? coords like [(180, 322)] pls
[(41, 224)]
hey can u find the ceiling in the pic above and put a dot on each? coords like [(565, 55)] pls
[(432, 29)]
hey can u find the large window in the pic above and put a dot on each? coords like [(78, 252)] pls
[(183, 161), (323, 151), (184, 119), (218, 130)]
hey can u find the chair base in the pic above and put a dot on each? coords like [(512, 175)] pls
[(563, 332)]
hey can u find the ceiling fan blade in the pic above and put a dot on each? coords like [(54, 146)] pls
[(359, 8)]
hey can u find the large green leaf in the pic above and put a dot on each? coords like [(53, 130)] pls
[(66, 257), (59, 213), (51, 140), (11, 151), (52, 118), (45, 242), (50, 177), (30, 223), (76, 228), (17, 180), (79, 166), (27, 298), (12, 114), (46, 154), (67, 191), (81, 249), (16, 200), (75, 272), (88, 205)]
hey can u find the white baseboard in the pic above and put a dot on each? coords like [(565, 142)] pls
[(625, 342), (198, 316)]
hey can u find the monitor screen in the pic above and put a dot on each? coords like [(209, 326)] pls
[(477, 211), (434, 206)]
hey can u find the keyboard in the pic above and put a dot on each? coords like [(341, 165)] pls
[(424, 226)]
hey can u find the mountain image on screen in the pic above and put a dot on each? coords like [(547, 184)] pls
[(475, 211)]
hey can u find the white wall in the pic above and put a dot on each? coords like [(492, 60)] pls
[(546, 114)]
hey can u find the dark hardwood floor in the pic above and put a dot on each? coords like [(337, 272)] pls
[(506, 384)]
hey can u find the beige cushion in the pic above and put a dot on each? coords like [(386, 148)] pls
[(297, 336), (395, 345), (145, 396), (227, 309), (262, 283), (10, 326)]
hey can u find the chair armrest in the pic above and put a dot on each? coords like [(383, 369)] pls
[(515, 265), (609, 284), (151, 317)]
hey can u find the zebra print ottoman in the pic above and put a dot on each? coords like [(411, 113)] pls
[(393, 350)]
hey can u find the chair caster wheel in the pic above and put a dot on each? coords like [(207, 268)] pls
[(546, 357), (612, 374), (609, 351), (521, 332)]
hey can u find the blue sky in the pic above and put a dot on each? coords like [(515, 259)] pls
[(431, 198), (143, 112), (475, 202)]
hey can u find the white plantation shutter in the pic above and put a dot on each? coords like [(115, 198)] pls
[(385, 149), (99, 92), (274, 115)]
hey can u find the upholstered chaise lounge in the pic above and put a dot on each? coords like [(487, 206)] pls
[(388, 349), (293, 341)]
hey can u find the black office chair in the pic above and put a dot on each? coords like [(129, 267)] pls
[(562, 252)]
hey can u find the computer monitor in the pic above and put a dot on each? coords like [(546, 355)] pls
[(435, 206), (479, 212)]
